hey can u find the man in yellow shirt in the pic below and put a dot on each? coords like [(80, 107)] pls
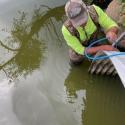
[(81, 28)]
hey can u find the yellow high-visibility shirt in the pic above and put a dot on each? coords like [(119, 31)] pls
[(105, 22)]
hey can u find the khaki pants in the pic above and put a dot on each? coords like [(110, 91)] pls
[(74, 57)]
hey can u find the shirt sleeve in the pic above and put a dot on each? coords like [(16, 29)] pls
[(72, 41), (104, 20)]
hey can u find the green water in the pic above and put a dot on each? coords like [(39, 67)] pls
[(37, 84)]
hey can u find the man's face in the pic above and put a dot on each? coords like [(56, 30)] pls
[(84, 24)]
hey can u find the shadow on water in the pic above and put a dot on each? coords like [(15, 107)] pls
[(102, 97), (28, 36)]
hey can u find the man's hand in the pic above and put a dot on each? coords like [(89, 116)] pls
[(111, 36), (107, 48), (94, 50)]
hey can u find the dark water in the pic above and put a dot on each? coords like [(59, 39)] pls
[(38, 86)]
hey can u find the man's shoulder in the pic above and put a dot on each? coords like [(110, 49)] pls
[(93, 13), (95, 6), (65, 30), (68, 28)]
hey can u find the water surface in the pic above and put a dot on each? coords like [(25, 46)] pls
[(38, 86)]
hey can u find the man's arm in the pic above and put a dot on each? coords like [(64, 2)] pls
[(110, 26), (104, 20), (94, 50), (72, 41), (75, 44)]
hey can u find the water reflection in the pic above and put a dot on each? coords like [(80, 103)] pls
[(28, 35), (42, 92), (102, 97), (38, 99)]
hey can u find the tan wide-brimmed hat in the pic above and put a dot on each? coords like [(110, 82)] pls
[(76, 11)]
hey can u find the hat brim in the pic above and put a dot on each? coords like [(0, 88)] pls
[(80, 20)]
